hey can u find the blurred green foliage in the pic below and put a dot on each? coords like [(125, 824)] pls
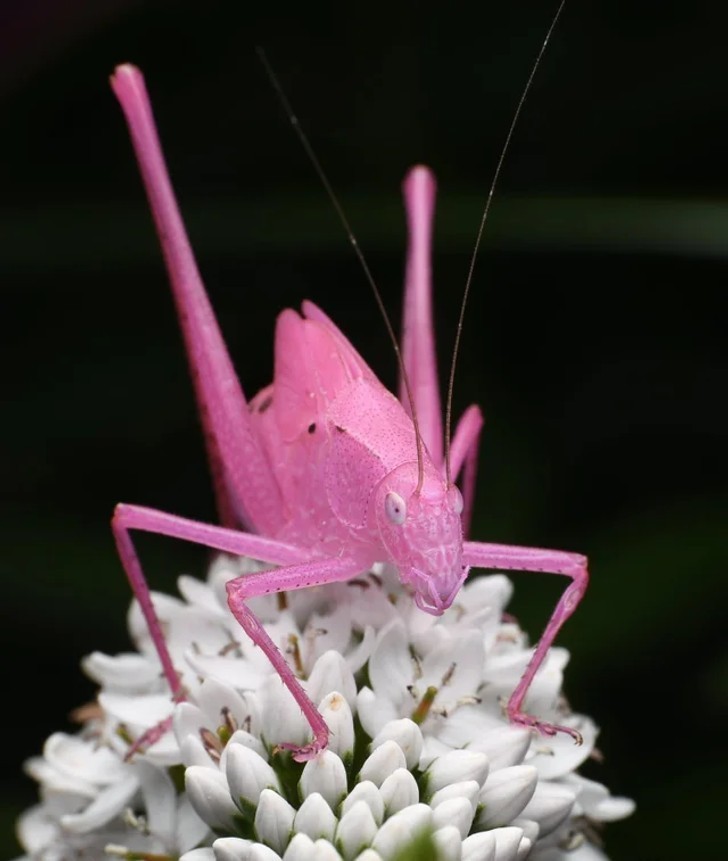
[(594, 339)]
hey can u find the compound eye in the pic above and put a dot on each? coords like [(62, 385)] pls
[(395, 508), (455, 498)]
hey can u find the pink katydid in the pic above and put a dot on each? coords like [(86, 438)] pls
[(326, 472)]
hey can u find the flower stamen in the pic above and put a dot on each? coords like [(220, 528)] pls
[(419, 715)]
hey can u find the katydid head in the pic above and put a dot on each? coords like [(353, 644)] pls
[(418, 518)]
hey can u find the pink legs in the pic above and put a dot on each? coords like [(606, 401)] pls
[(571, 565), (315, 573), (245, 486), (464, 455), (418, 337), (297, 575)]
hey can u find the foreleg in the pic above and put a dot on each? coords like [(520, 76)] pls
[(247, 586), (464, 455), (297, 574), (127, 517), (572, 565)]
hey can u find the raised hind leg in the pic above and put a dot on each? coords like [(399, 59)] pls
[(245, 486), (572, 565), (418, 335)]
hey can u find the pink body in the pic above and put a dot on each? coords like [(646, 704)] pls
[(320, 474), (338, 442)]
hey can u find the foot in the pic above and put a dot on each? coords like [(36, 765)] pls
[(521, 719), (309, 751)]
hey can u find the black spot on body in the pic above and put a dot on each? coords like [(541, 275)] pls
[(312, 427), (265, 404), (339, 429)]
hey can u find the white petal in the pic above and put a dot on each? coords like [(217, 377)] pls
[(209, 795), (82, 759), (358, 656), (334, 709), (190, 829), (504, 746), (226, 669), (456, 766), (192, 752), (356, 829), (243, 739), (198, 855), (550, 805), (524, 849), (374, 712), (326, 775), (196, 592), (282, 719), (465, 789), (301, 848), (160, 801), (407, 735), (315, 818), (530, 828), (57, 781), (367, 792), (137, 711), (461, 659), (217, 699), (232, 849), (369, 855), (274, 820), (259, 852), (390, 666), (448, 843), (187, 721), (331, 673), (505, 794), (399, 790), (507, 843), (328, 632), (401, 829), (324, 851), (457, 812), (107, 804), (36, 829), (127, 672), (613, 808), (557, 756), (479, 847), (248, 774), (382, 762)]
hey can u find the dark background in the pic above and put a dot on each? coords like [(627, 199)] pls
[(594, 339)]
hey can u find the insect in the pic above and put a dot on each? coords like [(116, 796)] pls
[(325, 472)]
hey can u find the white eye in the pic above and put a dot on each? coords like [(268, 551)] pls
[(395, 508), (455, 498)]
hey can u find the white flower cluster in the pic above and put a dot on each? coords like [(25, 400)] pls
[(420, 752)]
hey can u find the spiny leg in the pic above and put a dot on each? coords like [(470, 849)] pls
[(506, 558), (315, 573), (464, 455), (297, 575), (128, 517)]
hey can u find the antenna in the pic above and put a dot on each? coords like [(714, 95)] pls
[(308, 149), (479, 236)]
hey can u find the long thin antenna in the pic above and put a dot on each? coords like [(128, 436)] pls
[(308, 149), (478, 239)]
